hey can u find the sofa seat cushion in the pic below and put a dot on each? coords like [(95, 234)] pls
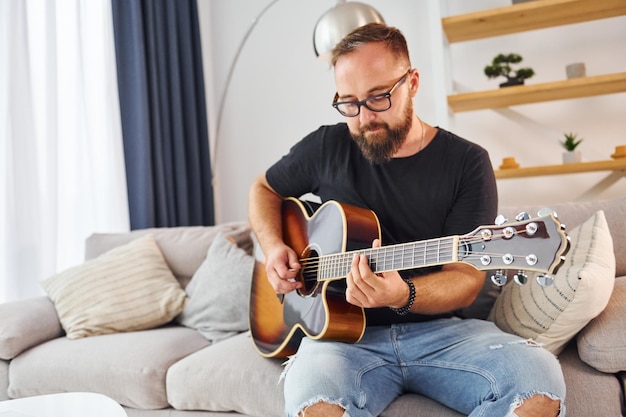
[(590, 393), (417, 406), (128, 367), (602, 343), (227, 376)]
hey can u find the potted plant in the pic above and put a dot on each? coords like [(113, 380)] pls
[(501, 66), (571, 142)]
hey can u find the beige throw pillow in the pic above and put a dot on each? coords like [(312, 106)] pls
[(581, 290), (125, 289)]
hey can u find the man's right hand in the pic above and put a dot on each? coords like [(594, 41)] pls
[(281, 262), (283, 269)]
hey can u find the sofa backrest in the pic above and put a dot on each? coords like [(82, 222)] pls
[(574, 213), (184, 248)]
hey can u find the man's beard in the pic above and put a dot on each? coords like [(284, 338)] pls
[(381, 146)]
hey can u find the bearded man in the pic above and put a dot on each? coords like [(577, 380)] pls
[(422, 182)]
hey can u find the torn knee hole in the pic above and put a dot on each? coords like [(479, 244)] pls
[(537, 401), (322, 408)]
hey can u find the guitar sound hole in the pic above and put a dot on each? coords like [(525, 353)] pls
[(310, 268)]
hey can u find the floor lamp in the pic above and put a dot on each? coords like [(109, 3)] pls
[(331, 27)]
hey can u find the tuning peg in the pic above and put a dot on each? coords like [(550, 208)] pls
[(499, 278), (521, 216), (520, 278), (531, 259), (545, 280), (500, 220), (546, 212), (531, 228)]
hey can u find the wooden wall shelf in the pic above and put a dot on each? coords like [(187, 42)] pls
[(533, 93), (616, 166), (610, 165), (528, 16)]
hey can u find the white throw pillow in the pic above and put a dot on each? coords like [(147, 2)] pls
[(582, 287), (219, 291), (125, 289)]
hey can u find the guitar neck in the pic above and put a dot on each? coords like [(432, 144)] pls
[(402, 256)]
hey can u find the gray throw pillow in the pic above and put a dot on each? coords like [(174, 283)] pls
[(218, 292)]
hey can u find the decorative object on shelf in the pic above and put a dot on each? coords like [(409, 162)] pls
[(620, 152), (570, 144), (509, 163), (500, 66), (576, 70)]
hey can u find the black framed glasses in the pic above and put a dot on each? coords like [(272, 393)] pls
[(377, 103)]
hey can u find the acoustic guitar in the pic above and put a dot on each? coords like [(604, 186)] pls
[(326, 242)]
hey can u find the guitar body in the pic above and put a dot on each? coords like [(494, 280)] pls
[(318, 310)]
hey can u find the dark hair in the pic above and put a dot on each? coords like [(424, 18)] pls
[(372, 32)]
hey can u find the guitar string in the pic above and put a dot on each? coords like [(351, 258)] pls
[(341, 261)]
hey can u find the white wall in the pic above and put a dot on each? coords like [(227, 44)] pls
[(280, 92)]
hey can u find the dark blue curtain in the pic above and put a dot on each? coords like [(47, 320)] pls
[(163, 110)]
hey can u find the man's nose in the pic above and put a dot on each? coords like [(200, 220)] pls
[(366, 115)]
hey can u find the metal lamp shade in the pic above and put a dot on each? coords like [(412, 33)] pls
[(337, 22)]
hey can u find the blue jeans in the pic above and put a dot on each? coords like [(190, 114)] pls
[(468, 365)]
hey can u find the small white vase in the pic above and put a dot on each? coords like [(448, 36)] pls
[(571, 157)]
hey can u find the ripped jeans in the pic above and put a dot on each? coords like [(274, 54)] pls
[(468, 365)]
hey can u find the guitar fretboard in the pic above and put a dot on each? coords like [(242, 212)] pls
[(390, 258)]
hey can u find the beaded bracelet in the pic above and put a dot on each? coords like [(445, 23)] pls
[(404, 310)]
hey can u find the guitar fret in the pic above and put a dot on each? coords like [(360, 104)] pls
[(347, 263), (438, 251)]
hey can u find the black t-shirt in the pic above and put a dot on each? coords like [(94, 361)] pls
[(446, 189)]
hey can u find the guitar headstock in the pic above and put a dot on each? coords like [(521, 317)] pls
[(528, 244)]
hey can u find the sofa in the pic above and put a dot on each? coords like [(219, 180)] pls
[(198, 359)]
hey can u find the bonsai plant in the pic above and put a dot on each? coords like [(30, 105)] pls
[(500, 66), (570, 143)]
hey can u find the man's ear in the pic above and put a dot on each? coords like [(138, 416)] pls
[(414, 82)]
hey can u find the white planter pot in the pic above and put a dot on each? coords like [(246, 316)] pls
[(571, 157), (576, 70)]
